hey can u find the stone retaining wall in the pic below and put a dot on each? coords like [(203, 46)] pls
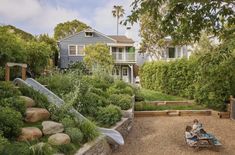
[(100, 146), (97, 147)]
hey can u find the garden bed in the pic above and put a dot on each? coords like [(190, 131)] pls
[(151, 95), (167, 105), (170, 108)]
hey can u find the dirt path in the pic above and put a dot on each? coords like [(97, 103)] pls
[(165, 136)]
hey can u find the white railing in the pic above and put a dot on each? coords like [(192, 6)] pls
[(124, 57)]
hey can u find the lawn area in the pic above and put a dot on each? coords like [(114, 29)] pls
[(151, 95), (142, 106)]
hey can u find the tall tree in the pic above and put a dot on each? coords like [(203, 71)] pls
[(68, 28), (185, 20), (20, 33), (98, 58), (12, 47), (53, 46), (118, 12)]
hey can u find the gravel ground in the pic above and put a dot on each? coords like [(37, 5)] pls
[(165, 136)]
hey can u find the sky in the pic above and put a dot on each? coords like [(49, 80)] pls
[(41, 16)]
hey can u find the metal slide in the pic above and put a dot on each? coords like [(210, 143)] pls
[(113, 135)]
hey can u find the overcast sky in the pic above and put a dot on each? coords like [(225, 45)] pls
[(41, 16)]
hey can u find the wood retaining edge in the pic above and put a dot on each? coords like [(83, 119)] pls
[(176, 113), (189, 102)]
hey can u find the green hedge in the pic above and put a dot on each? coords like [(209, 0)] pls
[(206, 77), (175, 77)]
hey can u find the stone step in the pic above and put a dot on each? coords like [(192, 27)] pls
[(36, 114), (29, 133), (28, 101)]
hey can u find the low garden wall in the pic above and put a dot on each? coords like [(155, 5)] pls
[(100, 146)]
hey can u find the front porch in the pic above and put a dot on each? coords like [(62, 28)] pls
[(124, 72)]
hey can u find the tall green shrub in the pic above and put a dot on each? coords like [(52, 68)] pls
[(10, 122), (38, 54), (215, 78), (175, 77)]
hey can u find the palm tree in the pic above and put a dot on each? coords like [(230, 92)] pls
[(118, 12)]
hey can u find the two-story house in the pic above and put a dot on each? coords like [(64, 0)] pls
[(168, 53), (71, 49)]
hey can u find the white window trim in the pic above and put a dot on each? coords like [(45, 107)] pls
[(76, 50), (69, 49)]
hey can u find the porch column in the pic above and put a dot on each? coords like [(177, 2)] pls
[(110, 50), (124, 53), (132, 74)]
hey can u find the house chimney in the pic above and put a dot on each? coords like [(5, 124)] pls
[(128, 32)]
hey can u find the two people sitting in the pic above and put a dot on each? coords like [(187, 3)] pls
[(192, 134)]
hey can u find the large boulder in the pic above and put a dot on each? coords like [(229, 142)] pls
[(36, 114), (30, 133), (59, 139), (28, 101), (50, 127)]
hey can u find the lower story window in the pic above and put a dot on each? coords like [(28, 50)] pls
[(115, 71), (124, 71)]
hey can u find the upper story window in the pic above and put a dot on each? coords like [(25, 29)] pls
[(171, 52), (72, 50), (88, 34), (76, 50), (80, 50), (120, 50), (130, 49), (114, 49)]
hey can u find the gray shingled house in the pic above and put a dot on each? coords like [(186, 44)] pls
[(71, 49)]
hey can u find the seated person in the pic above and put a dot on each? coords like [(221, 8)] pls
[(191, 138), (196, 126)]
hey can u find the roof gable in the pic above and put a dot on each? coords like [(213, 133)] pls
[(81, 34)]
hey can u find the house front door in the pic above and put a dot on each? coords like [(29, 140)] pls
[(125, 74)]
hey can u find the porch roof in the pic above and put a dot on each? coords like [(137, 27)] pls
[(121, 39)]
